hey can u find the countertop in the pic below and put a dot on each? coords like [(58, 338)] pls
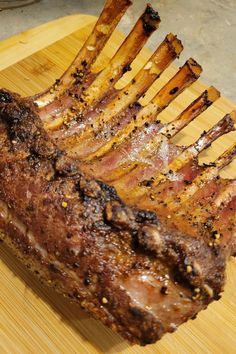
[(207, 29)]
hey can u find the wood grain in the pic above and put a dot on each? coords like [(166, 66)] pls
[(33, 319)]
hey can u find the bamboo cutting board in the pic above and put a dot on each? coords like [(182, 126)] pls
[(33, 319)]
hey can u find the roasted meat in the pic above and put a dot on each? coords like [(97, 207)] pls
[(98, 201)]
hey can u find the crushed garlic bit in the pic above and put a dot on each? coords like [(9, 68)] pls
[(208, 290), (154, 69), (103, 28), (104, 300), (148, 66), (55, 124), (64, 204), (91, 48), (148, 308), (94, 89), (217, 236), (189, 269)]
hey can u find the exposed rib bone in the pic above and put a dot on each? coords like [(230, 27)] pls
[(227, 194), (190, 113), (210, 208), (184, 78), (129, 49), (208, 174), (169, 49), (190, 72), (225, 222), (110, 16), (118, 65), (146, 152), (225, 125)]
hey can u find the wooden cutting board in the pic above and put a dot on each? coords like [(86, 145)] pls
[(33, 319)]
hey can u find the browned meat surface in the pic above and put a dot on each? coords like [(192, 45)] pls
[(97, 200)]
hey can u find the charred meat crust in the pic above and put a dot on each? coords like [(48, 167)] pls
[(24, 126), (150, 19), (78, 234)]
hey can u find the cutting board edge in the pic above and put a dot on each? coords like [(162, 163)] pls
[(26, 43)]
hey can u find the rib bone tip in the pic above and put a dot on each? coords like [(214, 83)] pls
[(152, 15), (175, 43), (194, 66), (213, 94), (233, 116)]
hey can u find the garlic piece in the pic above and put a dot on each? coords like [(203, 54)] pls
[(90, 48), (148, 66)]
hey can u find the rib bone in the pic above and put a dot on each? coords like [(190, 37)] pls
[(184, 78), (169, 49), (110, 16), (152, 144), (208, 174), (190, 113), (225, 125), (118, 65)]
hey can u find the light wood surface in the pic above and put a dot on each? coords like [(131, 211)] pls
[(34, 319)]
